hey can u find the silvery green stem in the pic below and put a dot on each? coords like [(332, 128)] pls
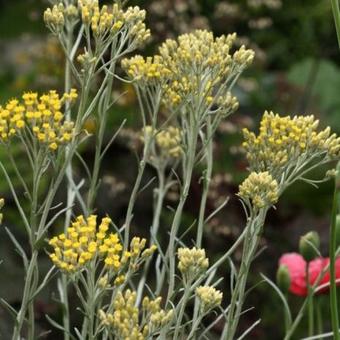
[(332, 259), (142, 164), (206, 184), (32, 275), (188, 170), (184, 301), (25, 299), (69, 179), (253, 227), (160, 193), (336, 14), (102, 122)]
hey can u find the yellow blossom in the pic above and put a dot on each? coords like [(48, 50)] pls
[(209, 297), (285, 142), (259, 188), (83, 242), (192, 262), (125, 319), (41, 115)]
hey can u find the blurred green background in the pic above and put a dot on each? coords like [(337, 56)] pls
[(296, 71)]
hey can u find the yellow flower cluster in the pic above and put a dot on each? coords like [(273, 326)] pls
[(227, 102), (83, 242), (209, 297), (157, 316), (284, 141), (259, 188), (192, 262), (137, 252), (54, 18), (41, 115), (148, 70), (125, 318), (134, 19), (199, 63), (167, 142), (102, 20), (125, 322), (196, 65)]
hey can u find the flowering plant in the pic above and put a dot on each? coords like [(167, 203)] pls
[(184, 91)]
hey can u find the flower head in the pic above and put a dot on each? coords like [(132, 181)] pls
[(150, 70), (125, 319), (260, 189), (284, 143), (104, 21), (169, 141), (84, 241), (209, 297), (199, 64), (41, 115), (296, 266), (54, 18), (166, 143), (192, 262)]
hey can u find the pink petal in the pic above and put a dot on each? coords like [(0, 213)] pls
[(296, 266)]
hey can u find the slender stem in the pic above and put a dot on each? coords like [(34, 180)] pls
[(184, 300), (194, 328), (301, 312), (102, 113), (206, 183), (91, 311), (254, 227), (286, 315), (141, 167), (332, 258), (178, 214), (31, 280), (133, 199), (66, 308), (25, 298), (336, 14), (160, 194), (17, 172), (69, 179), (319, 319), (310, 303)]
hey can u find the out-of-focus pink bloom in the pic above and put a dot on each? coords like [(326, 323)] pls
[(296, 266)]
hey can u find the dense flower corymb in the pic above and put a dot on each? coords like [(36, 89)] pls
[(41, 115), (259, 188), (209, 297), (125, 318), (296, 266), (166, 143), (82, 242), (192, 262), (103, 20), (199, 63), (85, 241), (148, 70), (284, 142)]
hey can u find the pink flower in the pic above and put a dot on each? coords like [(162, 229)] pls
[(296, 266)]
